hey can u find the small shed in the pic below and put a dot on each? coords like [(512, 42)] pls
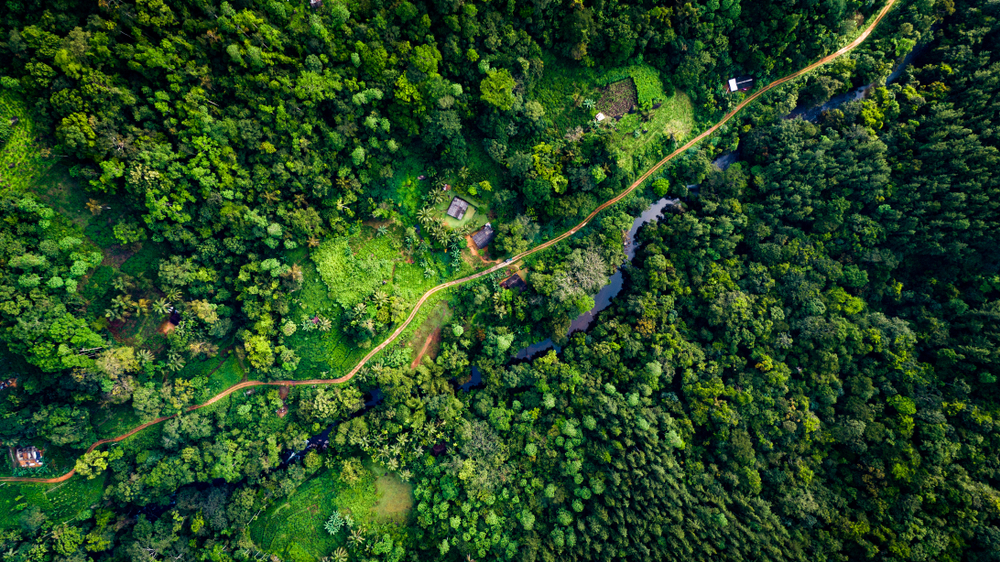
[(600, 117), (458, 208), (514, 282), (28, 457), (484, 236), (740, 83)]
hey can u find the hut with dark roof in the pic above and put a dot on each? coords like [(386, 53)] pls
[(483, 236), (514, 282), (458, 208)]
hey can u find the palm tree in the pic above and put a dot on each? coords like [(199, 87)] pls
[(144, 356), (161, 306), (271, 196), (173, 294), (324, 324), (122, 283), (380, 298), (175, 361), (95, 207), (340, 555), (439, 196), (356, 538), (382, 231), (312, 242), (294, 273), (425, 215), (115, 314)]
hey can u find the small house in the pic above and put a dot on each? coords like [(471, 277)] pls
[(514, 282), (484, 236), (28, 457), (740, 83), (458, 208)]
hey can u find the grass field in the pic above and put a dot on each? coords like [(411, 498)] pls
[(436, 317), (648, 85), (474, 215), (293, 529), (350, 279), (674, 118), (21, 160), (61, 502), (563, 87)]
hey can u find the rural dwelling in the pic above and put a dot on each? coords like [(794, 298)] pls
[(484, 236), (514, 282), (740, 83), (457, 208), (28, 457)]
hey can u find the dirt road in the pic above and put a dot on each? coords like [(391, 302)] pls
[(399, 330)]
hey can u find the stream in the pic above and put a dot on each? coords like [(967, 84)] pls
[(372, 399), (603, 297)]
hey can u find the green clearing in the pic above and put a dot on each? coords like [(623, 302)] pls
[(219, 372), (346, 271), (112, 421), (648, 85), (352, 268), (436, 317), (475, 215), (293, 529), (20, 161), (563, 87), (406, 189), (395, 499), (674, 118), (61, 502)]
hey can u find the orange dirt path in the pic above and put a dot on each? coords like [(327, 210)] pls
[(436, 334), (399, 330)]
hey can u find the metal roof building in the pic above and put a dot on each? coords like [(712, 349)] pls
[(457, 208), (484, 236)]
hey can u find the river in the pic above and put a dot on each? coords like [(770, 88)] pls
[(603, 297)]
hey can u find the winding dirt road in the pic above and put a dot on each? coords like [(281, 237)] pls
[(399, 330)]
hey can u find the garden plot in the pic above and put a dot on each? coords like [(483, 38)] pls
[(618, 98)]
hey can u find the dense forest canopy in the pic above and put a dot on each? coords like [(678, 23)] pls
[(211, 211)]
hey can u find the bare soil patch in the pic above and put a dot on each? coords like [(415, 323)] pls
[(618, 98), (116, 255), (434, 338), (475, 251)]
